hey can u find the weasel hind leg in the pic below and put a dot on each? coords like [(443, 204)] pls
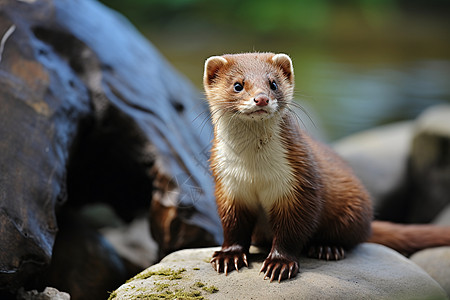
[(348, 231), (326, 252)]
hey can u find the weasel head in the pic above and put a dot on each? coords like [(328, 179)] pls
[(250, 86)]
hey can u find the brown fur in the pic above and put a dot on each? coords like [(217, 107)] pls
[(324, 212), (408, 239)]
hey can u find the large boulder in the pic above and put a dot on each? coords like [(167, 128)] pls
[(379, 157), (91, 112), (443, 218), (369, 272), (436, 262), (430, 164), (405, 166)]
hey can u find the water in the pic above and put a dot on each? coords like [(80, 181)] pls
[(349, 98), (351, 75), (344, 98)]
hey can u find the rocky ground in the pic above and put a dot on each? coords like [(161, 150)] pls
[(83, 125)]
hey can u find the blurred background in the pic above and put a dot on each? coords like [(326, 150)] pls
[(358, 63)]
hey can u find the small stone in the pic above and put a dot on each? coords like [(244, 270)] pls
[(49, 293)]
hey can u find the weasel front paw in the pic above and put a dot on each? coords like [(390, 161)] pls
[(229, 259), (282, 268)]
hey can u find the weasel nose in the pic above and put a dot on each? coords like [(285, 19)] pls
[(261, 100)]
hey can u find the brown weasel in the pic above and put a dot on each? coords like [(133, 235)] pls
[(276, 184)]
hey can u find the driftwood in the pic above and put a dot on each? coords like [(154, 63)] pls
[(90, 111)]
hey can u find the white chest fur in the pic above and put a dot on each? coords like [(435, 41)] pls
[(251, 161)]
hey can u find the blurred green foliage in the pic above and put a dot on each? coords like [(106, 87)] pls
[(359, 63), (263, 16), (320, 20), (259, 15)]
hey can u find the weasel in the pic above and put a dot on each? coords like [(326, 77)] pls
[(274, 183)]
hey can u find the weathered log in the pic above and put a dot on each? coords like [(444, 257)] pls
[(90, 111)]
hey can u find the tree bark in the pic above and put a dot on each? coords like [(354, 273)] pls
[(91, 112)]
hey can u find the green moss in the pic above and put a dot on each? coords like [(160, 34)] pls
[(196, 269), (211, 289), (169, 273), (194, 295), (159, 287), (113, 295), (177, 274), (207, 260), (163, 289)]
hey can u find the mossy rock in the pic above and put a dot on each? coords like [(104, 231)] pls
[(370, 271)]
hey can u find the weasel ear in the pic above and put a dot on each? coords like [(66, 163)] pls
[(212, 66), (285, 63)]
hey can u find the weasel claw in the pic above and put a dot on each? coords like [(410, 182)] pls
[(236, 261), (227, 261), (279, 268), (225, 268), (244, 258), (327, 252)]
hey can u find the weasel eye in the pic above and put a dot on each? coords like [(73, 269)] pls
[(238, 87), (273, 85)]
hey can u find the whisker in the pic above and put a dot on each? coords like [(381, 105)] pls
[(298, 94), (281, 118), (299, 106), (297, 118), (208, 117)]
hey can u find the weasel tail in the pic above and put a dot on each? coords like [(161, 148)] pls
[(409, 238), (278, 187)]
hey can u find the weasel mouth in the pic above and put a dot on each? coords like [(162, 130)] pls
[(258, 112)]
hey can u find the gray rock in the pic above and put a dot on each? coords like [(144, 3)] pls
[(48, 294), (369, 272), (443, 218), (436, 262), (430, 164), (379, 158), (405, 166), (133, 242)]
